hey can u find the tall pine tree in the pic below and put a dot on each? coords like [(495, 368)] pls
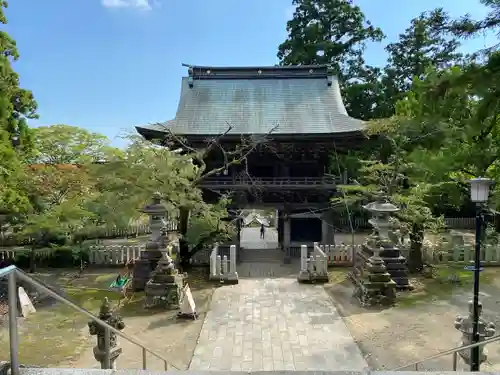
[(16, 104), (335, 32)]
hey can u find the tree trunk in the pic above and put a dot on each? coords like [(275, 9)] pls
[(415, 258), (184, 254), (32, 259)]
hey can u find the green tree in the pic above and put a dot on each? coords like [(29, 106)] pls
[(131, 179), (65, 144), (458, 112), (13, 199), (468, 27), (335, 32), (16, 104), (59, 194), (425, 43), (390, 174)]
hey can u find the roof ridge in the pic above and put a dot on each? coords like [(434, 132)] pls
[(254, 72)]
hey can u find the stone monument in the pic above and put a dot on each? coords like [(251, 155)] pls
[(144, 266), (107, 315), (165, 285), (395, 263), (464, 324)]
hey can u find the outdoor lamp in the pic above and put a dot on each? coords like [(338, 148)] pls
[(479, 189)]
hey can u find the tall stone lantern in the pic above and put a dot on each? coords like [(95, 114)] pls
[(381, 211), (149, 258)]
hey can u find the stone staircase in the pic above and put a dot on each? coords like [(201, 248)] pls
[(77, 371), (261, 256)]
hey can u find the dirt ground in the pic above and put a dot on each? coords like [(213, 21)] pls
[(419, 326), (66, 332)]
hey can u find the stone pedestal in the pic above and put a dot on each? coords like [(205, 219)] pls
[(144, 266), (165, 286), (374, 285), (114, 320), (464, 324), (395, 263)]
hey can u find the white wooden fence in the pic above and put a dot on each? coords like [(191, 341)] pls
[(314, 266), (222, 268), (490, 254), (113, 254), (340, 255), (362, 223)]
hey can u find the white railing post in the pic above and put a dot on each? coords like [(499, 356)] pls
[(303, 258), (218, 266), (232, 276), (315, 267), (304, 273), (213, 263), (224, 266)]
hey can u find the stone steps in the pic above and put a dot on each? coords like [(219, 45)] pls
[(262, 255)]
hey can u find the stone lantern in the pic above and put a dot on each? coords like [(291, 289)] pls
[(464, 324), (381, 214), (149, 258), (102, 352), (390, 253), (157, 213)]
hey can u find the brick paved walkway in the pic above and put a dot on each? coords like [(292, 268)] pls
[(274, 324)]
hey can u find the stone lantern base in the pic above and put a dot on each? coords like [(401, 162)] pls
[(374, 286), (113, 356)]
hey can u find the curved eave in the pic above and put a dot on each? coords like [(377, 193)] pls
[(150, 133)]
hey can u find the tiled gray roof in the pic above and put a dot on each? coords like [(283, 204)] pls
[(255, 106)]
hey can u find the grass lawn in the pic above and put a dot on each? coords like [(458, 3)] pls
[(56, 333), (446, 279), (337, 275)]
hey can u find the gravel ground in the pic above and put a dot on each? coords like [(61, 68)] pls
[(398, 336)]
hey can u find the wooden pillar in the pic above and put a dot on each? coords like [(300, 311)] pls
[(327, 230), (286, 236)]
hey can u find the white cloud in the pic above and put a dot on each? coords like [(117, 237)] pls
[(138, 4)]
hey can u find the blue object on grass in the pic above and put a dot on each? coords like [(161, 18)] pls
[(119, 283), (472, 267)]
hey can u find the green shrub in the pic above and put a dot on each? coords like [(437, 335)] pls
[(55, 257)]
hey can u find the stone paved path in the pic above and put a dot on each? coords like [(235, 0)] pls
[(250, 238), (274, 324)]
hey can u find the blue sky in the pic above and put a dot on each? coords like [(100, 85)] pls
[(107, 65)]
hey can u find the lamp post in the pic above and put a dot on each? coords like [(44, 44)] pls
[(479, 190)]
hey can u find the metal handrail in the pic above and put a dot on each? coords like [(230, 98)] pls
[(12, 272), (453, 351)]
